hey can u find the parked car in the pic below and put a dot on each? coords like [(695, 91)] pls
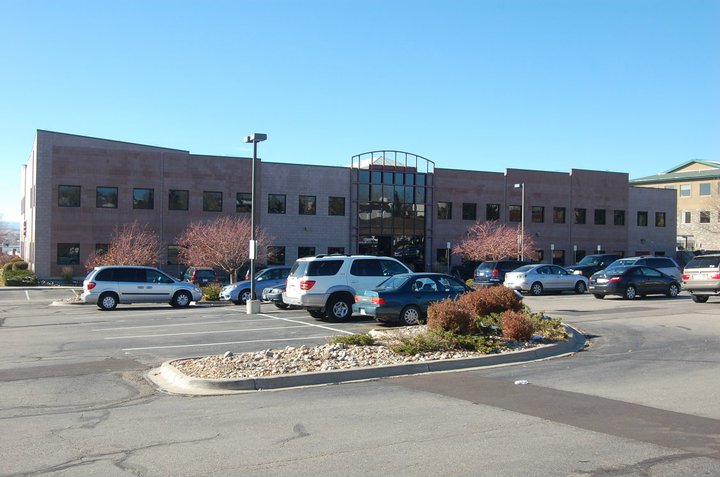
[(590, 264), (202, 276), (539, 278), (326, 285), (631, 281), (493, 272), (701, 277), (665, 264), (239, 293), (107, 286), (465, 270), (405, 298), (274, 296)]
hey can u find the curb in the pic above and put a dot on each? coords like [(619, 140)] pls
[(171, 380)]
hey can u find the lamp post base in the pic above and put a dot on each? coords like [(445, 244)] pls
[(253, 307)]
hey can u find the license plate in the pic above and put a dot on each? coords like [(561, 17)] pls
[(700, 276), (602, 280), (362, 311)]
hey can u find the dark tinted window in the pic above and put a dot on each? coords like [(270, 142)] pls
[(68, 196), (323, 268), (659, 263), (107, 275), (366, 268), (130, 275), (154, 276), (704, 262), (650, 272)]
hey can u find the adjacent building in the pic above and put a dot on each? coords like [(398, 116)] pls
[(696, 184), (76, 189)]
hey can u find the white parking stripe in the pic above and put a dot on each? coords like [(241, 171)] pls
[(200, 323), (309, 324), (225, 343), (202, 332)]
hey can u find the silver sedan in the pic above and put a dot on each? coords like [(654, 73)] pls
[(541, 277)]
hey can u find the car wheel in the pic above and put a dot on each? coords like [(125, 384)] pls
[(410, 315), (339, 308), (580, 287), (107, 301), (598, 296), (699, 299), (244, 296), (630, 293), (282, 306), (673, 290), (317, 314), (181, 299), (536, 288)]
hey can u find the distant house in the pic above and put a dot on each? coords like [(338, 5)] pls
[(697, 184)]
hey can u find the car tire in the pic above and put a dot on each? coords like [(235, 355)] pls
[(317, 314), (699, 298), (580, 287), (107, 301), (410, 315), (339, 308), (244, 296), (181, 299), (536, 289), (630, 293), (673, 290), (598, 296), (282, 306)]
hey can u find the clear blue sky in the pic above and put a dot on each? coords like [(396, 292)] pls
[(620, 85)]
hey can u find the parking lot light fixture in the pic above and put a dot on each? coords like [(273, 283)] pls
[(253, 305)]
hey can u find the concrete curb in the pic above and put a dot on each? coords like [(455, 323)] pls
[(170, 379)]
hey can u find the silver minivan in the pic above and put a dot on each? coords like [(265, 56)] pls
[(701, 277), (107, 286)]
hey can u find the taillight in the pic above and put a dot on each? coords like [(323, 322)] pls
[(715, 276), (496, 273), (376, 300), (357, 299), (686, 277), (193, 278), (615, 279), (306, 284), (90, 285)]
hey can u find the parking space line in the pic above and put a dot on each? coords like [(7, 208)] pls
[(201, 332), (202, 323), (226, 343), (309, 324)]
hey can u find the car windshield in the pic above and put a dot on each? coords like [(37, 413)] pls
[(393, 282), (589, 260)]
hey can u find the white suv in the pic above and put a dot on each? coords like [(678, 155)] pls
[(326, 285)]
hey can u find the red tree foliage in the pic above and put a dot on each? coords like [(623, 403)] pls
[(221, 243), (131, 244), (493, 241)]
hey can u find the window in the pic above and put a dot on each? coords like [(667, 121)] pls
[(106, 197), (340, 250), (68, 196), (178, 199), (580, 216), (442, 255), (276, 204), (642, 218), (538, 214), (68, 253), (619, 217), (212, 201), (492, 212), (685, 190), (101, 248), (515, 213), (599, 216), (559, 215), (704, 216), (306, 252), (243, 202), (705, 188), (336, 205), (659, 219), (687, 217), (558, 257), (143, 199), (173, 255), (469, 211), (276, 255), (444, 210), (307, 205)]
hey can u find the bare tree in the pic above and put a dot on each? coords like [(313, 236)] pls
[(223, 243), (131, 244), (493, 241)]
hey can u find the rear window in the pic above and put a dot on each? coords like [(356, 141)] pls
[(486, 266), (107, 275), (204, 274), (394, 282), (323, 268), (704, 262), (524, 268)]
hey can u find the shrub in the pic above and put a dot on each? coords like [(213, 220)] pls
[(517, 326), (486, 301), (20, 265), (362, 339), (67, 274), (438, 340), (7, 266), (450, 315), (19, 278), (551, 329), (211, 292)]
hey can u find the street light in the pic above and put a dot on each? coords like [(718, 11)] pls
[(521, 186), (253, 305)]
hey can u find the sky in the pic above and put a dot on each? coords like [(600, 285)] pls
[(615, 85)]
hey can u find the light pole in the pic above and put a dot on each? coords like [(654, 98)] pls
[(253, 305), (521, 186)]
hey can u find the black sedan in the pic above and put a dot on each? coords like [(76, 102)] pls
[(631, 282), (405, 298)]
